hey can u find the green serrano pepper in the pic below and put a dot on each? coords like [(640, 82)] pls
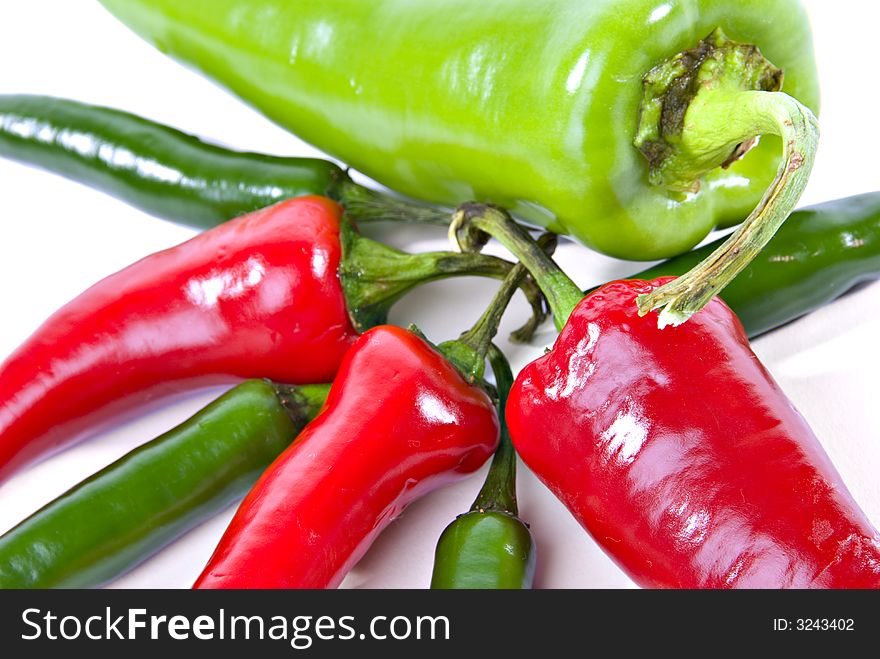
[(819, 254), (174, 175), (120, 516), (489, 546)]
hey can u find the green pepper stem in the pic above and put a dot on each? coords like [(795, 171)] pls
[(468, 352), (737, 117), (499, 490), (473, 223), (365, 205), (479, 337), (704, 108), (302, 402), (375, 276)]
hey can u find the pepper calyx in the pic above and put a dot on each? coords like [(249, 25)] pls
[(677, 156), (469, 364), (301, 402), (466, 359)]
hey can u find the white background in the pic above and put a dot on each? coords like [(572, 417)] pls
[(57, 238)]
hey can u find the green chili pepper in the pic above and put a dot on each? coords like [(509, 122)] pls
[(171, 174), (542, 108), (816, 256), (489, 546), (129, 510)]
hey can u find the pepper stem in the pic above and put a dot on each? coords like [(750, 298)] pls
[(375, 276), (302, 402), (499, 490), (479, 337), (365, 205), (468, 352), (747, 114), (473, 224), (703, 109)]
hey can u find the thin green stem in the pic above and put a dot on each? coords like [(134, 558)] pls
[(473, 223), (737, 116), (375, 276), (499, 490), (365, 205), (468, 352), (479, 337)]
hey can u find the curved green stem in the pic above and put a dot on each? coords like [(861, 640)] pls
[(499, 490), (468, 352), (705, 108), (473, 223), (738, 117), (479, 337), (375, 276)]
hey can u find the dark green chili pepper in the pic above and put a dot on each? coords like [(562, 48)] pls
[(489, 546), (112, 521), (819, 254), (171, 174)]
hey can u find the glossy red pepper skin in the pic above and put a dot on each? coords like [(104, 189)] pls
[(681, 456), (399, 421), (257, 296)]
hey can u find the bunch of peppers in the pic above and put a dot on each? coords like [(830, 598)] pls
[(283, 295)]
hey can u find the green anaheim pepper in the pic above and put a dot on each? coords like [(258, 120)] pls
[(489, 546), (129, 510), (174, 175), (623, 122)]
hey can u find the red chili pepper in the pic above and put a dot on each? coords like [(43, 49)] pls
[(678, 452), (400, 421), (264, 295), (681, 456)]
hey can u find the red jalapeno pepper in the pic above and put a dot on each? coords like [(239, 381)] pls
[(402, 418), (676, 449), (279, 293)]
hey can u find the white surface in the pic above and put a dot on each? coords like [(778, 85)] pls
[(57, 238)]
